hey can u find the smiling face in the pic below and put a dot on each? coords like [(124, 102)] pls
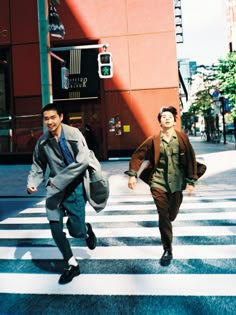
[(53, 121), (167, 120)]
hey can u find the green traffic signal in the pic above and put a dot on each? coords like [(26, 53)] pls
[(106, 70), (105, 65)]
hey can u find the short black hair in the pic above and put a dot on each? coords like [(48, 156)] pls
[(52, 106), (170, 109)]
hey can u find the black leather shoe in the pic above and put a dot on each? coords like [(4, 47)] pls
[(68, 274), (91, 239), (166, 257)]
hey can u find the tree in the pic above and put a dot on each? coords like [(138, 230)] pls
[(201, 99), (201, 91), (226, 75), (221, 76)]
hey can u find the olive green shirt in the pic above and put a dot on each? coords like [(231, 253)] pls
[(168, 175)]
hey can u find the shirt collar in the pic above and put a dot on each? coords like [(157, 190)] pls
[(174, 135)]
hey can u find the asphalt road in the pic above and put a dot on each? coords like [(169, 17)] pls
[(122, 276)]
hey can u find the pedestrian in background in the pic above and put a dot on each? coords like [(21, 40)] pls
[(63, 150), (171, 168)]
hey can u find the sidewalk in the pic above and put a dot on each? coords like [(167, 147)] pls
[(219, 158), (221, 164)]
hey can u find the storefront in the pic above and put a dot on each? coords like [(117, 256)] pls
[(115, 114)]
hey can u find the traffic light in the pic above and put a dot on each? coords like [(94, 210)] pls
[(105, 66)]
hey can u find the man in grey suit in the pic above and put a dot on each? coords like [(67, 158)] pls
[(63, 150)]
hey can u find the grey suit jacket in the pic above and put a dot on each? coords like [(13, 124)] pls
[(47, 156)]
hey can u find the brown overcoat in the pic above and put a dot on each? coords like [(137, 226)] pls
[(149, 151)]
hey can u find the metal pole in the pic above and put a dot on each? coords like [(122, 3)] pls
[(223, 116), (235, 132), (45, 58), (93, 46), (57, 57)]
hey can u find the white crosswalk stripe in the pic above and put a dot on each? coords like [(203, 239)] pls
[(204, 285), (123, 252), (127, 232), (133, 218), (216, 218)]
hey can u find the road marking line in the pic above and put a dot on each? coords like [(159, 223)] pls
[(121, 252), (127, 232), (125, 284), (130, 218)]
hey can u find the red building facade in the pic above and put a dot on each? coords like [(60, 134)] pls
[(231, 23), (115, 114)]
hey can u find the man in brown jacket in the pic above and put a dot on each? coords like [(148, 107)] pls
[(171, 168)]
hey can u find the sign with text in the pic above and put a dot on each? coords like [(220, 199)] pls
[(78, 78)]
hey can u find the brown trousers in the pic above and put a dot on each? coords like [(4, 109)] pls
[(168, 205)]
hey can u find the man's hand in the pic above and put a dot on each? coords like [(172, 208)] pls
[(31, 190), (132, 182), (190, 189)]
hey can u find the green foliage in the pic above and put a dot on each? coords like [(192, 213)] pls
[(221, 76), (202, 102), (226, 74)]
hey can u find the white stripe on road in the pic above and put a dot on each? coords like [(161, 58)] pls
[(185, 205), (125, 284), (144, 198), (130, 218), (33, 211), (128, 232), (122, 252), (189, 206), (135, 207)]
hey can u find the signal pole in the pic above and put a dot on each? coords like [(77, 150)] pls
[(222, 99), (45, 57)]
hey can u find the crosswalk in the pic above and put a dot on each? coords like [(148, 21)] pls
[(126, 260)]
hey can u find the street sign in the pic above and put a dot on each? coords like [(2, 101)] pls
[(216, 95)]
